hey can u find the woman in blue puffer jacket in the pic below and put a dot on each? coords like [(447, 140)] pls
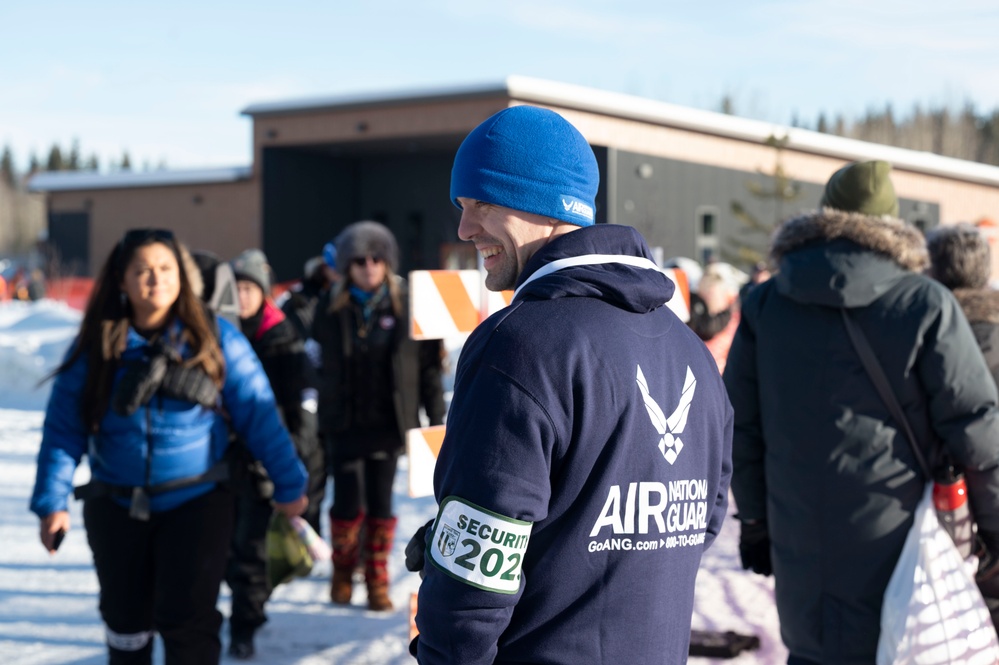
[(147, 391)]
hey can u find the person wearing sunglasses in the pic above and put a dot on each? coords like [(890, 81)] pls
[(147, 390), (374, 379)]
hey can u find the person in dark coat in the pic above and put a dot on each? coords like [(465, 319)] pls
[(586, 463), (299, 306), (961, 260), (825, 481), (374, 379), (142, 392), (282, 353)]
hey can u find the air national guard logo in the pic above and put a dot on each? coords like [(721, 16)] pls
[(669, 428), (447, 541)]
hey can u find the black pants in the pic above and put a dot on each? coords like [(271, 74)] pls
[(367, 479), (161, 575), (246, 573)]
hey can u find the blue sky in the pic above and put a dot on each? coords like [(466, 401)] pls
[(167, 81)]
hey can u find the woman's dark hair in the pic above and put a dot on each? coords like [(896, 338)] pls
[(104, 330)]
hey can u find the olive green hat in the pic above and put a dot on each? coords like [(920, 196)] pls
[(862, 187)]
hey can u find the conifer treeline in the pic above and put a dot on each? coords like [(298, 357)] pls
[(59, 159), (964, 134)]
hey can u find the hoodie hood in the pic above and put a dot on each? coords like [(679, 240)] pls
[(610, 262), (845, 259)]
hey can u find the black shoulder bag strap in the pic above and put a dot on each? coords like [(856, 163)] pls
[(880, 381)]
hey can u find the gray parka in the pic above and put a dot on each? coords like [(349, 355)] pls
[(816, 453)]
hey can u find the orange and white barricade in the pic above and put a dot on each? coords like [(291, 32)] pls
[(422, 447), (680, 302), (450, 303)]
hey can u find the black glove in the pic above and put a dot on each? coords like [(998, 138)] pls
[(139, 382), (415, 549), (754, 547)]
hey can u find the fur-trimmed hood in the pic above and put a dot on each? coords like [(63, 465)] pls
[(845, 259), (890, 237), (979, 305)]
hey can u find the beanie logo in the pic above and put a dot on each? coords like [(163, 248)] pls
[(669, 428), (576, 207)]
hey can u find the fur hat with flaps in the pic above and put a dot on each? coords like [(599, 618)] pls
[(862, 187), (362, 239)]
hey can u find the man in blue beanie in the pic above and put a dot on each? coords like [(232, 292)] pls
[(587, 457)]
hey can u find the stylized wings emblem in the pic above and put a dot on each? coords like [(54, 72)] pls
[(670, 428)]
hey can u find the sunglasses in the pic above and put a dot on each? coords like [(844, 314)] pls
[(362, 261)]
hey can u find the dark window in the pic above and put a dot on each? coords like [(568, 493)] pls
[(707, 223)]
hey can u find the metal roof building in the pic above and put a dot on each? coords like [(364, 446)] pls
[(319, 164)]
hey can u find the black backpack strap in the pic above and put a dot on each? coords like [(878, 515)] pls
[(880, 381)]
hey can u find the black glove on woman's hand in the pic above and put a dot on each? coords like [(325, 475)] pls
[(754, 547), (415, 549)]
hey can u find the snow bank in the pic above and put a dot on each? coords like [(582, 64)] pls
[(34, 338)]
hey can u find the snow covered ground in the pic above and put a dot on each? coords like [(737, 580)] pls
[(48, 605)]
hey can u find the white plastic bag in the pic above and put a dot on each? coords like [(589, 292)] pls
[(933, 613), (318, 549)]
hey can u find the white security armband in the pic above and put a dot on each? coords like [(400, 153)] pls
[(479, 547)]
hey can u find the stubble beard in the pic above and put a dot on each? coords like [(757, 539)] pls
[(503, 277)]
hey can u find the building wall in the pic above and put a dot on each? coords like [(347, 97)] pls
[(227, 218), (223, 218), (959, 201), (686, 208), (428, 119)]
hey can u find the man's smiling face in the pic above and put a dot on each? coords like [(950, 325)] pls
[(505, 237)]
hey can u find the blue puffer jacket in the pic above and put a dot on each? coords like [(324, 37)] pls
[(177, 439)]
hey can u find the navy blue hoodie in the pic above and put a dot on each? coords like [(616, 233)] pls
[(585, 469)]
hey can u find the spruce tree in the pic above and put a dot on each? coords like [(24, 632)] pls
[(73, 162), (55, 161), (749, 247), (7, 171)]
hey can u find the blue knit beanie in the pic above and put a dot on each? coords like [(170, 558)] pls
[(528, 159)]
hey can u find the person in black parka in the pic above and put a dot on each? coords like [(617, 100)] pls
[(374, 379), (825, 481), (318, 277), (282, 353)]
